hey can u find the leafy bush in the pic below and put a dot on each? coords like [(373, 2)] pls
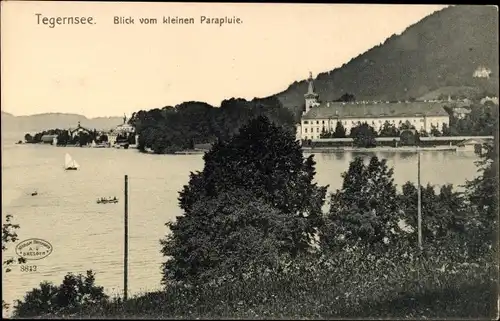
[(365, 210), (353, 283), (266, 162), (9, 235), (364, 136), (75, 292)]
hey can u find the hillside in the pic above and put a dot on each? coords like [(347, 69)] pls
[(442, 50), (20, 125), (452, 91)]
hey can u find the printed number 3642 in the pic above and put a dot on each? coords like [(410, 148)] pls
[(28, 268)]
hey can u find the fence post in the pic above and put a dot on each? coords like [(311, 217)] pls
[(125, 254)]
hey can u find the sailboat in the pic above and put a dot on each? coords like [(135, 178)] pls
[(70, 163)]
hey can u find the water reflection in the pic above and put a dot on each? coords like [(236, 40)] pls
[(67, 200), (437, 167)]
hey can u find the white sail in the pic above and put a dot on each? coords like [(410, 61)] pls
[(69, 162), (75, 164)]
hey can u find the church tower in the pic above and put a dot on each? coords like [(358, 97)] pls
[(311, 97)]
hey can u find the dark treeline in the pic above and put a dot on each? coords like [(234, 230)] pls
[(247, 244), (479, 122), (364, 135), (171, 129), (64, 137)]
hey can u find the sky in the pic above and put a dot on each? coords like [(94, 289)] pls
[(107, 69)]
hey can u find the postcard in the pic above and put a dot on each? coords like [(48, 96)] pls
[(249, 160)]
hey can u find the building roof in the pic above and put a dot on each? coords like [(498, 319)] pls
[(48, 137), (473, 141), (124, 128), (71, 131), (464, 110), (375, 110)]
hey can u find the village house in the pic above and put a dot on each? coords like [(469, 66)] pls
[(482, 72), (79, 129), (460, 109), (472, 144), (486, 99), (461, 112), (49, 139), (120, 130), (323, 116)]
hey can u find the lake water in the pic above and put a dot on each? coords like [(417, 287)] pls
[(86, 235)]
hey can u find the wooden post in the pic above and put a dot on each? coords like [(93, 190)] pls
[(125, 254), (419, 202)]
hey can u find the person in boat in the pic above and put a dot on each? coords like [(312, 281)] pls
[(114, 198)]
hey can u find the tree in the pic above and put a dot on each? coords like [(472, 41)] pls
[(405, 126), (265, 160), (84, 138), (446, 130), (74, 292), (482, 193), (339, 130), (365, 211), (131, 139), (177, 128), (423, 133), (325, 134), (28, 138), (346, 97), (444, 212), (408, 138), (63, 138), (435, 132), (364, 136), (388, 130), (9, 235), (232, 234), (479, 122), (103, 138)]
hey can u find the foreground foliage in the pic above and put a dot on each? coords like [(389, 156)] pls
[(75, 292), (255, 190), (354, 283), (9, 235)]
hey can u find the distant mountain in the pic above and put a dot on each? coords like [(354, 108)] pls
[(35, 123), (456, 47)]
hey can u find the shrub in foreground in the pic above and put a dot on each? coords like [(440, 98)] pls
[(266, 162), (75, 292), (353, 283)]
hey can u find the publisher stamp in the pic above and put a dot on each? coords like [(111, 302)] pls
[(34, 249)]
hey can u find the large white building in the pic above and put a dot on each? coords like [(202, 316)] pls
[(122, 129), (323, 116)]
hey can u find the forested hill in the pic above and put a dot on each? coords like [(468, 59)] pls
[(442, 50)]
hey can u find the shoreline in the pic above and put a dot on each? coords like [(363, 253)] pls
[(305, 149), (317, 150), (405, 149)]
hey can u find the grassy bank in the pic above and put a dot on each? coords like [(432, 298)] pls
[(348, 286)]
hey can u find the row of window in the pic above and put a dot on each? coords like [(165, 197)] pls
[(353, 122), (437, 125), (312, 129)]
